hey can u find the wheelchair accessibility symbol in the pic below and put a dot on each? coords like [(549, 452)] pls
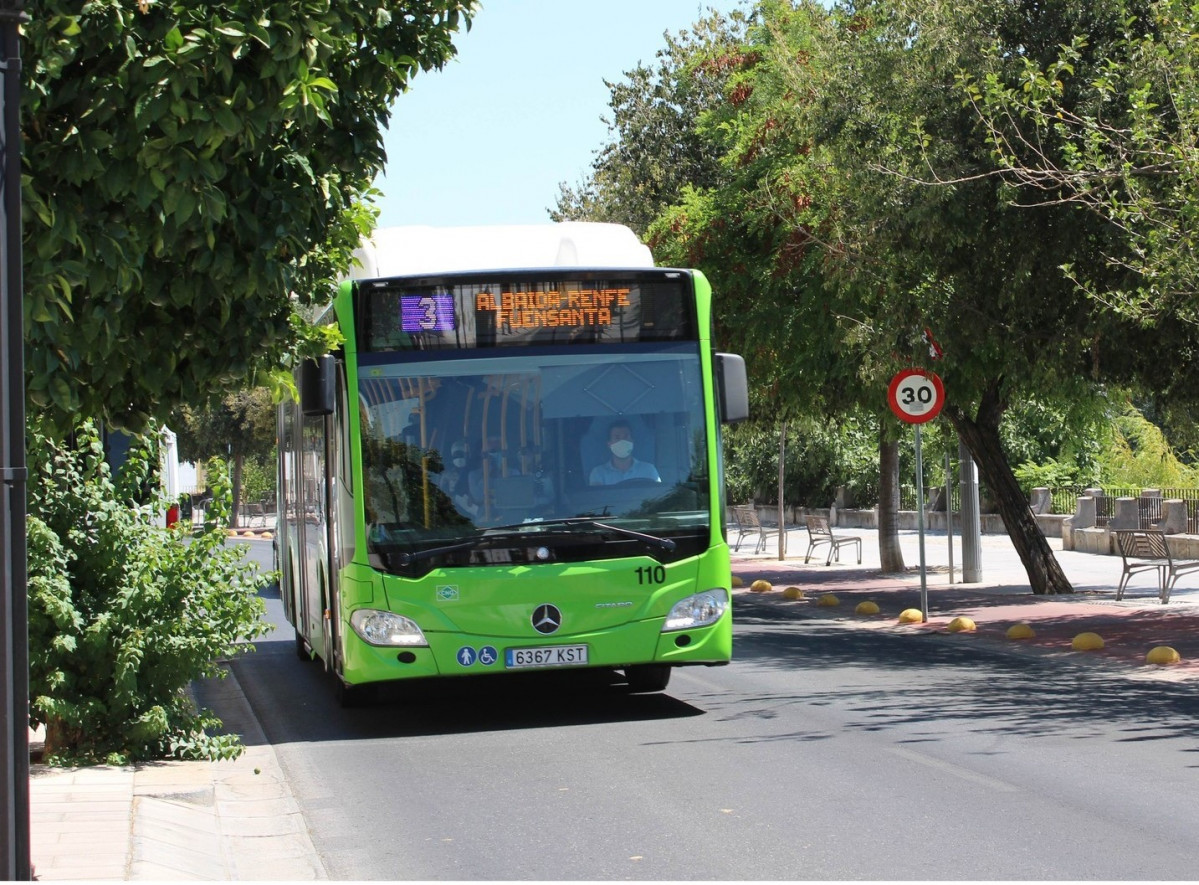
[(488, 656)]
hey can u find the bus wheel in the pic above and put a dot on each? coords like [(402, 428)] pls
[(350, 697), (646, 678), (303, 652)]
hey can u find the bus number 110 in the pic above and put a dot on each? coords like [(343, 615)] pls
[(655, 574)]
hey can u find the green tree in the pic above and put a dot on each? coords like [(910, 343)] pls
[(240, 426), (193, 174), (761, 235), (861, 205), (1130, 153), (655, 151), (966, 259)]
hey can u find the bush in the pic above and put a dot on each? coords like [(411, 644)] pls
[(820, 457), (124, 613)]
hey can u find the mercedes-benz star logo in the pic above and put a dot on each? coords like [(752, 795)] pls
[(546, 618)]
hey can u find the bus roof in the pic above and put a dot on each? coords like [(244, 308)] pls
[(405, 251)]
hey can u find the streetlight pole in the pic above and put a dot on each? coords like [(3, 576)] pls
[(14, 611)]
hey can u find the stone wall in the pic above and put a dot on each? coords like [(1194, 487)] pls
[(992, 523), (1086, 532), (1078, 531)]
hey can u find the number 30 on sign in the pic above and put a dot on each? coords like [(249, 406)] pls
[(916, 396)]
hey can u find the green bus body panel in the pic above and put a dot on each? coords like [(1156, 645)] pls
[(603, 605), (636, 643)]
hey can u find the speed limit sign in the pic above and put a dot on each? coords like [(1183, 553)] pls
[(916, 396)]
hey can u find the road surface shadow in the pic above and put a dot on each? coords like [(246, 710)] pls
[(994, 691), (296, 701)]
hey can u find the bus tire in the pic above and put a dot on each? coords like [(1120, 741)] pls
[(645, 678), (303, 652), (350, 697)]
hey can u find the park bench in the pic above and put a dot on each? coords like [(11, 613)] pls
[(1145, 550), (820, 533), (746, 519)]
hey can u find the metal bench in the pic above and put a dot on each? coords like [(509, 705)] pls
[(747, 522), (1145, 550), (820, 533)]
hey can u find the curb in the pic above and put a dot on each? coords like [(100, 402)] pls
[(1122, 656), (263, 831)]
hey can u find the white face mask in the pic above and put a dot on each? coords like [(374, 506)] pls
[(459, 462), (622, 448)]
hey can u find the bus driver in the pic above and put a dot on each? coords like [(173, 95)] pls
[(622, 465)]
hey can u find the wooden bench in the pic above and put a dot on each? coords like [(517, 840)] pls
[(820, 533), (255, 511), (747, 522), (1146, 550)]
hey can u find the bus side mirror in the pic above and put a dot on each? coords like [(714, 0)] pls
[(318, 386), (733, 388)]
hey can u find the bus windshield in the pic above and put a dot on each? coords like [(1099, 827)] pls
[(564, 453)]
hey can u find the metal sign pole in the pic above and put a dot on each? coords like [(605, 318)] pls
[(14, 638), (949, 513), (920, 525), (916, 396)]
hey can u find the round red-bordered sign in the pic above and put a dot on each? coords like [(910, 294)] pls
[(916, 396)]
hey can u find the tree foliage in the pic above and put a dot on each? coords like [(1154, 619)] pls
[(1142, 457), (238, 428), (124, 613), (193, 173), (240, 423), (655, 152), (960, 251), (1130, 153), (821, 457), (861, 202)]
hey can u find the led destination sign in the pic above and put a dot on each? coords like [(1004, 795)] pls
[(519, 311), (427, 313), (579, 309)]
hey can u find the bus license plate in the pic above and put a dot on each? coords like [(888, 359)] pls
[(546, 656)]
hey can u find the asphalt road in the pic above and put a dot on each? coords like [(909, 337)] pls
[(822, 752)]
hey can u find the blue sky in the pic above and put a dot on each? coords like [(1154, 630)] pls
[(487, 139)]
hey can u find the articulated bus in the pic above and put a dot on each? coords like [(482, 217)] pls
[(513, 463)]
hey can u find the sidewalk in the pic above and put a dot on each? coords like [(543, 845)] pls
[(238, 820), (177, 821), (1129, 628)]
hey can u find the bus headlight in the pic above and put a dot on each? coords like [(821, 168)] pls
[(386, 628), (699, 610)]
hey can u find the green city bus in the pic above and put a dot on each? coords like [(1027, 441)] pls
[(511, 469)]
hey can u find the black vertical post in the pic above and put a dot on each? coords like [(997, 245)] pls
[(14, 612)]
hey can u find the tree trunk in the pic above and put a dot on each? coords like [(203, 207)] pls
[(889, 552), (782, 477), (239, 461), (981, 437), (59, 737)]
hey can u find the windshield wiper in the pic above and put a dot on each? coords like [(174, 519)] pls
[(487, 537), (661, 543), (408, 558), (518, 531)]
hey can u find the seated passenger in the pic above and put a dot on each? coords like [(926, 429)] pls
[(622, 465)]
